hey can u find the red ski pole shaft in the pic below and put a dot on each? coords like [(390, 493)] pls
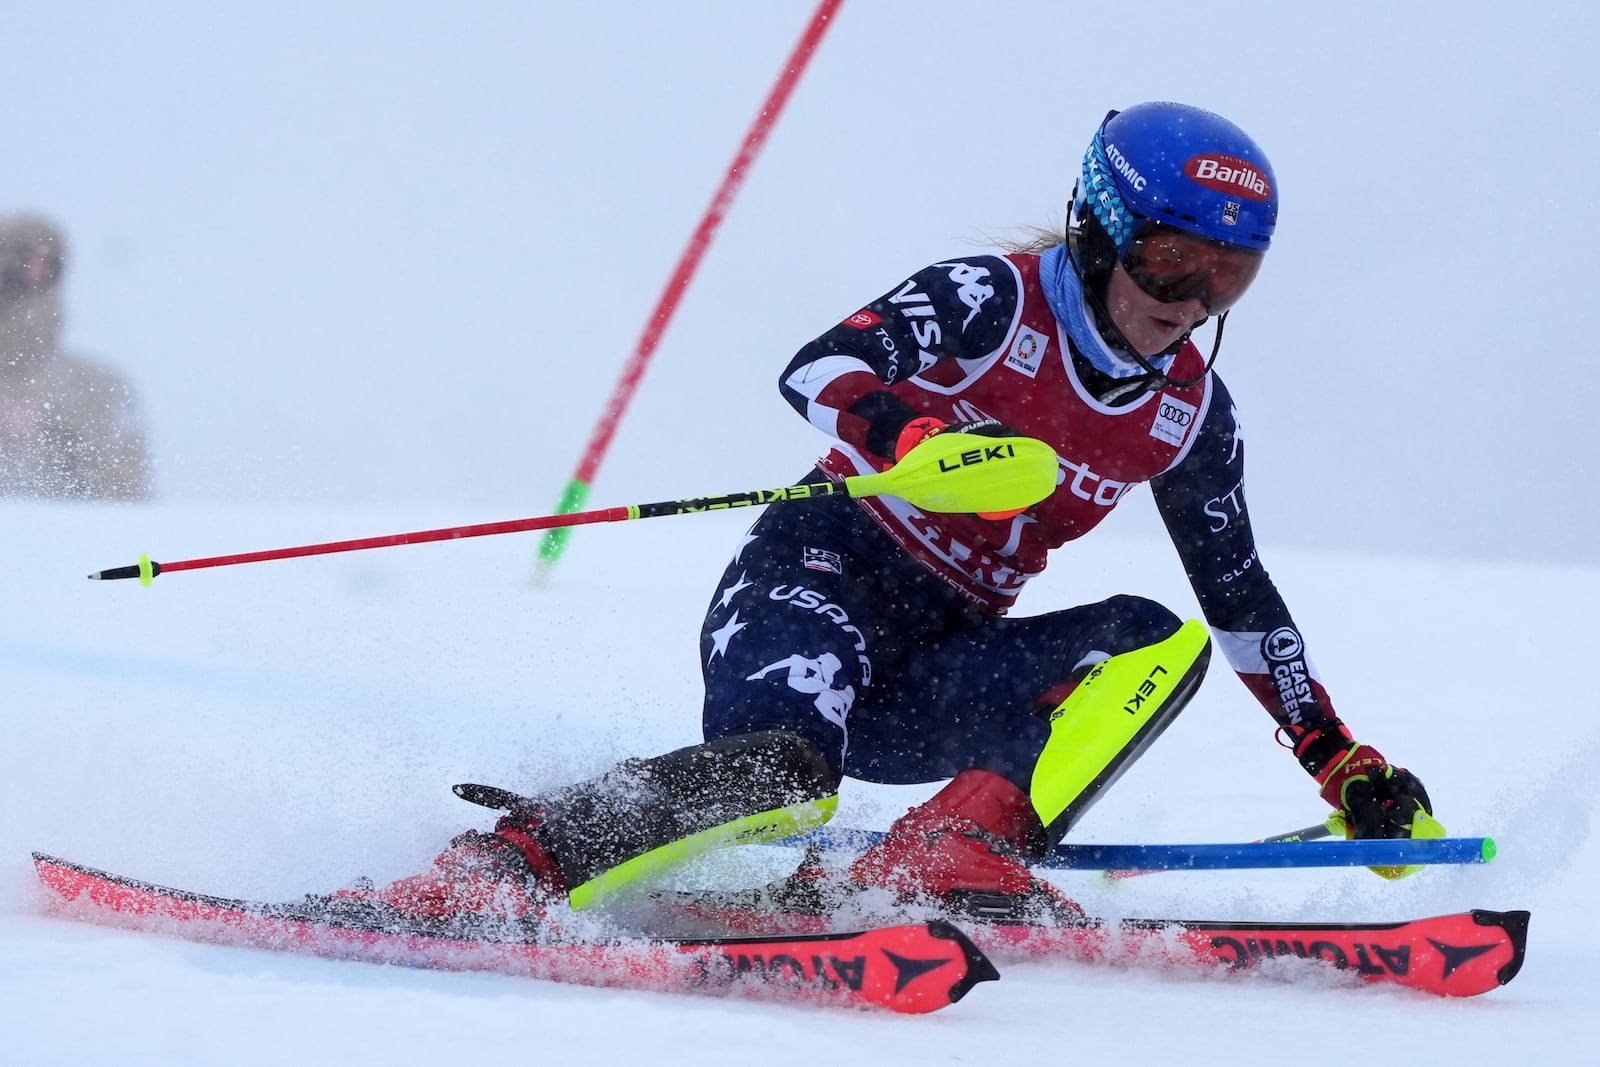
[(449, 533), (950, 472), (147, 569)]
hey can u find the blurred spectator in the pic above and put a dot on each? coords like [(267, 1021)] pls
[(69, 427)]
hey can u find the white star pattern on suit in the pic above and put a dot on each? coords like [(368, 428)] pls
[(720, 637), (733, 590)]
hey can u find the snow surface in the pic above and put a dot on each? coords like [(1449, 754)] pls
[(278, 728)]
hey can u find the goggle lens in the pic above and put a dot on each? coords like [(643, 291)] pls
[(1172, 265)]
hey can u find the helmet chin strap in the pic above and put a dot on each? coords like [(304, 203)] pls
[(1153, 378), (1094, 261), (1211, 361)]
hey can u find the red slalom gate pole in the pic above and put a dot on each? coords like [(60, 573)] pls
[(577, 490)]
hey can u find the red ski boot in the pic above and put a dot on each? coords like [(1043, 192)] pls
[(504, 875), (961, 850)]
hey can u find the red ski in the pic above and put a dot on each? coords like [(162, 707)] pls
[(1459, 955), (918, 967)]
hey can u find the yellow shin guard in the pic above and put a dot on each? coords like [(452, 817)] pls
[(1113, 715), (651, 867)]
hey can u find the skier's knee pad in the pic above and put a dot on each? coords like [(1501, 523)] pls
[(1109, 719)]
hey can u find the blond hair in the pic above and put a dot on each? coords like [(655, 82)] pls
[(1031, 240)]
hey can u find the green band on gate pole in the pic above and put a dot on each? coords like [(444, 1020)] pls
[(555, 541)]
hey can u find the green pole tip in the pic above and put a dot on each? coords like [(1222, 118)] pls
[(1489, 849), (147, 573)]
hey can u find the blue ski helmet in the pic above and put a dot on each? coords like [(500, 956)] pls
[(1178, 165)]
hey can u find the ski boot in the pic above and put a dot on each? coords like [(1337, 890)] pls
[(500, 877), (963, 850), (585, 843), (504, 874)]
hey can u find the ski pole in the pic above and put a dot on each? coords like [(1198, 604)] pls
[(950, 472), (1305, 833), (1286, 852), (1362, 852)]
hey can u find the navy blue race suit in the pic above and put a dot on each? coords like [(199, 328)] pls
[(878, 631)]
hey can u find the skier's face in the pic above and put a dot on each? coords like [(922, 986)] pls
[(1151, 326)]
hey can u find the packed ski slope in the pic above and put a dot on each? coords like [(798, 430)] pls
[(284, 727)]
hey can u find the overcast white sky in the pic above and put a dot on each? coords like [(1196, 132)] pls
[(387, 253)]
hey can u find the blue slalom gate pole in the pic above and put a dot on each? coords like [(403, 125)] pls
[(1217, 857)]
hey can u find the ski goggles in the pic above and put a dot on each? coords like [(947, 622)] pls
[(1170, 265)]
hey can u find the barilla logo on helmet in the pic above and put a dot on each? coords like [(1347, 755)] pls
[(1228, 174)]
